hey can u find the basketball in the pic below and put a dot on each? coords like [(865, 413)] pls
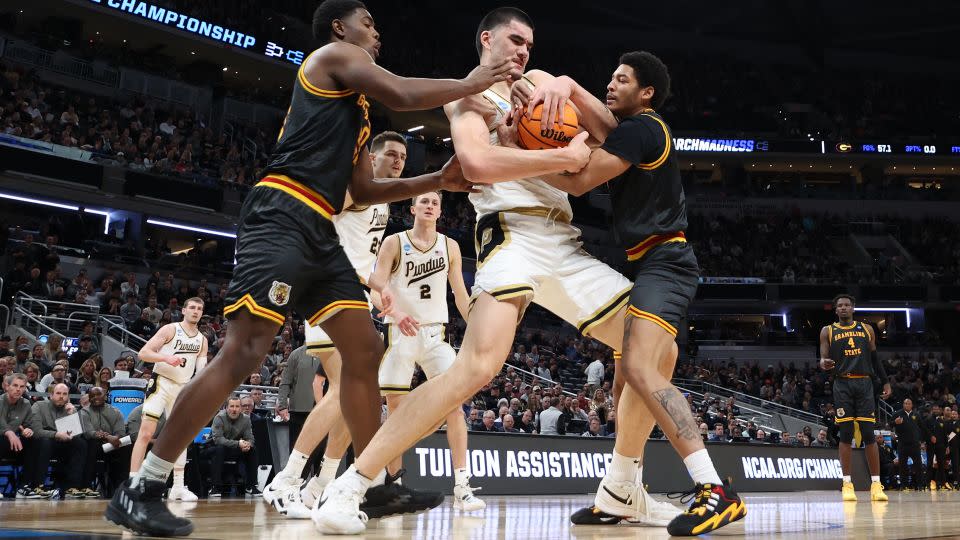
[(533, 136)]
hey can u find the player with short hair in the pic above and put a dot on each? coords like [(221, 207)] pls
[(414, 268), (849, 349), (288, 255), (178, 351)]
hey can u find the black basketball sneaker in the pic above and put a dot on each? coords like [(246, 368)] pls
[(714, 506), (393, 498), (139, 507), (592, 515)]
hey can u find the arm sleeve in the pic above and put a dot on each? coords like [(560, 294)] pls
[(643, 140), (216, 433)]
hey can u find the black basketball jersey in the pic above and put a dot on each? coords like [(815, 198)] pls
[(648, 199), (850, 349), (321, 140)]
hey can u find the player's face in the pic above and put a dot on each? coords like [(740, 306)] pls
[(192, 312), (360, 30), (427, 207), (514, 41), (844, 308), (389, 160), (625, 94)]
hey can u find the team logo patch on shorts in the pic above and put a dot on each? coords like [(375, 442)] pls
[(279, 293), (485, 238), (840, 413)]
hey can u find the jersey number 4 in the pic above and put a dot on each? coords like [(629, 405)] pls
[(851, 343), (424, 292)]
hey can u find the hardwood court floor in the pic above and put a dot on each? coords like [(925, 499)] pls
[(774, 515)]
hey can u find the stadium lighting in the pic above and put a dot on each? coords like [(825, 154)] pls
[(38, 201), (190, 228), (881, 309), (446, 139), (414, 128), (106, 218)]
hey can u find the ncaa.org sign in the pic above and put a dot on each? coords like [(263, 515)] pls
[(795, 468)]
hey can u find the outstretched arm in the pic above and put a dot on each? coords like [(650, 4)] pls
[(365, 189)]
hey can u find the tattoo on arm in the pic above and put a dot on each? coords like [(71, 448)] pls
[(679, 410)]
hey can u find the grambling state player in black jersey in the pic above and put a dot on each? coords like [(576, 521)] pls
[(849, 348), (637, 159), (288, 254)]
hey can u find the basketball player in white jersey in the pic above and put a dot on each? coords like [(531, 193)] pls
[(360, 230), (413, 269), (526, 251), (177, 351)]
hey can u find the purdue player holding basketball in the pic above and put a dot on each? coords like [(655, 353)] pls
[(288, 255), (361, 230), (412, 273), (178, 351), (526, 251), (649, 212), (849, 349)]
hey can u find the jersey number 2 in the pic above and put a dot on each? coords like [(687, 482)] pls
[(375, 246), (424, 292)]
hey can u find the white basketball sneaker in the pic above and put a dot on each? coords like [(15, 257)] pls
[(337, 511), (181, 493), (293, 506), (465, 500), (312, 490), (630, 501), (280, 484)]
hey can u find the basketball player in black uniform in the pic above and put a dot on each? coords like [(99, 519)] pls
[(649, 212), (288, 254), (849, 348)]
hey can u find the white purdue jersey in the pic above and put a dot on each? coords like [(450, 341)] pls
[(531, 192), (185, 347), (361, 232), (419, 280)]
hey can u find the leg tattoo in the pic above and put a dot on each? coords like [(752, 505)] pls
[(677, 408)]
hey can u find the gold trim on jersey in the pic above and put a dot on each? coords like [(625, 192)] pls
[(655, 319), (841, 327), (864, 419), (666, 149), (319, 346), (617, 355), (309, 87), (298, 191), (854, 376), (414, 244), (247, 301), (604, 312), (652, 241), (394, 390), (541, 211), (335, 307)]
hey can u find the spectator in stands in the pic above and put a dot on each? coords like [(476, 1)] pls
[(594, 372), (761, 436), (84, 351), (5, 346), (103, 378), (509, 424), (23, 356), (69, 448), (57, 376), (550, 418), (19, 439), (611, 427), (595, 428), (142, 326), (600, 403), (32, 372), (888, 462), (821, 440), (154, 314), (103, 423), (130, 311), (489, 422), (87, 374), (786, 439), (130, 286), (247, 407), (232, 438), (717, 435), (36, 354), (527, 424), (50, 352)]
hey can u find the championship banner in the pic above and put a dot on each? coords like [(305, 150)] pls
[(516, 464)]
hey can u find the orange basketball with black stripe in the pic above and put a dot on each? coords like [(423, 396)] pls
[(533, 136)]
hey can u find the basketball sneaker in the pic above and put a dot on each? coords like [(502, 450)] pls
[(293, 506), (278, 486), (138, 506), (393, 498), (338, 510), (181, 493), (713, 506), (630, 501), (465, 500), (849, 493), (876, 492), (312, 490)]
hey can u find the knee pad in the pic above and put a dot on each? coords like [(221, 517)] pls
[(866, 433), (846, 432)]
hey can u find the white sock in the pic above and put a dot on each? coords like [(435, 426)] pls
[(701, 469), (154, 468), (352, 480), (295, 464), (846, 478), (623, 468), (460, 477), (640, 475), (133, 474), (379, 479), (177, 478), (875, 479), (328, 469)]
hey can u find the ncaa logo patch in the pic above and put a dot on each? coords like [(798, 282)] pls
[(840, 413), (279, 293)]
